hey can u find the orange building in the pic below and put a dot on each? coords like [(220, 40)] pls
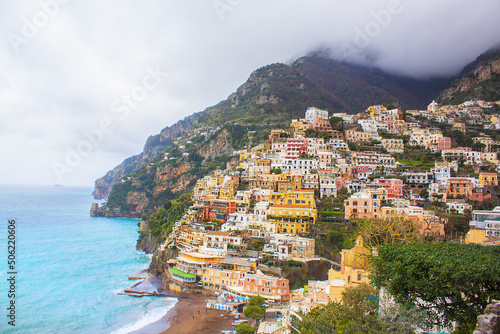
[(269, 287), (459, 186)]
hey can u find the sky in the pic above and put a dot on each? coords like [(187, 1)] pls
[(84, 83)]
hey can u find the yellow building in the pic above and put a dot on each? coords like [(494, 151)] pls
[(292, 218), (488, 179), (300, 126), (228, 189), (291, 197), (195, 263), (476, 236), (244, 154), (490, 157), (216, 278), (354, 265), (190, 237)]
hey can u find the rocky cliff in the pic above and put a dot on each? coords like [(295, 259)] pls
[(154, 145), (196, 153), (480, 81), (272, 96)]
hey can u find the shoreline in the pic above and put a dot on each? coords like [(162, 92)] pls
[(189, 315)]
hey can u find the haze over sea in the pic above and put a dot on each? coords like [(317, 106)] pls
[(70, 265)]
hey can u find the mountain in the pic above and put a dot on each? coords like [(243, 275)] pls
[(270, 98), (478, 80)]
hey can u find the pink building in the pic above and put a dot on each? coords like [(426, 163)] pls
[(443, 144), (394, 186), (296, 146), (321, 125), (358, 172)]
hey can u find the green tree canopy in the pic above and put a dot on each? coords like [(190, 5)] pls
[(254, 312), (257, 301), (355, 295), (245, 328), (452, 282), (361, 318)]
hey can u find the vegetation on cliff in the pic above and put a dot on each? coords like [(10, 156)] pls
[(479, 80), (272, 96)]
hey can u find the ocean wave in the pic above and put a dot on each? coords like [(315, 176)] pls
[(148, 318)]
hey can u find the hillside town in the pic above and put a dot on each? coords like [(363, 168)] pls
[(268, 211)]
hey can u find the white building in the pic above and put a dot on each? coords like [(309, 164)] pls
[(290, 247), (338, 145), (313, 114), (457, 207)]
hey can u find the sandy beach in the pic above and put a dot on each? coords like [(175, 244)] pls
[(191, 316)]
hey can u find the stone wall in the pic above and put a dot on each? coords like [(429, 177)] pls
[(275, 270), (489, 321)]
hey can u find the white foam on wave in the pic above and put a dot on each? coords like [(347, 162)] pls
[(148, 318)]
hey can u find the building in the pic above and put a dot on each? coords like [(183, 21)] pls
[(222, 240), (442, 172), (488, 179), (314, 114), (290, 247), (195, 263), (457, 207), (217, 278), (292, 219), (270, 287), (353, 271), (486, 220), (394, 187), (357, 136), (459, 187), (362, 172), (327, 183), (379, 160), (393, 145), (363, 204)]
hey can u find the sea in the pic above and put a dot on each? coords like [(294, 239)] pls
[(70, 266)]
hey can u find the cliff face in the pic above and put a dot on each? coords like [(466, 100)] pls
[(272, 96), (197, 152), (154, 145), (481, 81)]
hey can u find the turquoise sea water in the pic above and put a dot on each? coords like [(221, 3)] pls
[(70, 265)]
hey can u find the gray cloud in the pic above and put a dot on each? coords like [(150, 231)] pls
[(63, 80)]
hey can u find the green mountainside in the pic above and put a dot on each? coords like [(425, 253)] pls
[(270, 98)]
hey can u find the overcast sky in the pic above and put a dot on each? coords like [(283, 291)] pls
[(84, 83)]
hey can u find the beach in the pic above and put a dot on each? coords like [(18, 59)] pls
[(191, 316)]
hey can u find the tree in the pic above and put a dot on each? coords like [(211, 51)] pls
[(424, 193), (353, 296), (276, 171), (478, 147), (245, 328), (360, 318), (255, 308), (334, 120), (254, 312), (452, 282), (388, 231), (257, 301)]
